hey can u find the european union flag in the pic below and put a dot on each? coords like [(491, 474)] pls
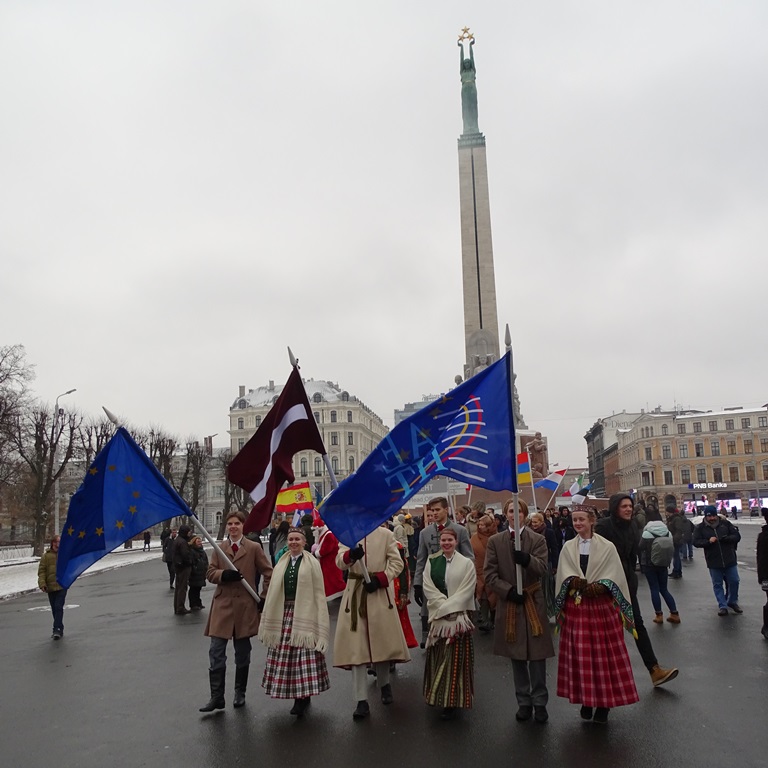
[(123, 494), (468, 434)]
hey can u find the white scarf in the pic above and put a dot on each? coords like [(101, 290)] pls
[(448, 615)]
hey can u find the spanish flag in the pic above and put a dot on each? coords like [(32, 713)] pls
[(523, 468), (295, 497)]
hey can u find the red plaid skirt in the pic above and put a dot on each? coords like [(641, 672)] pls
[(593, 665), (291, 672)]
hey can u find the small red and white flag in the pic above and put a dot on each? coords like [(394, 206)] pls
[(264, 464)]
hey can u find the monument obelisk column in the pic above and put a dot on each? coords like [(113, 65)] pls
[(481, 325)]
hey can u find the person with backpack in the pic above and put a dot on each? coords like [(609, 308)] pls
[(656, 552)]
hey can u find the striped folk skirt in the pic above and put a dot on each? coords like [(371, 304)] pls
[(291, 672), (593, 665), (449, 672)]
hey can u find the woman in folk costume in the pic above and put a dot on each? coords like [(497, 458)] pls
[(295, 627), (449, 587), (593, 601), (368, 630), (402, 601), (325, 549), (486, 597)]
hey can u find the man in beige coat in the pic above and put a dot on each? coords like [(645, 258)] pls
[(234, 613), (522, 630), (368, 630)]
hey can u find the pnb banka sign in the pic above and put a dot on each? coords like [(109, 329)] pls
[(706, 486)]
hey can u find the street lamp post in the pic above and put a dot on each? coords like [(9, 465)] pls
[(54, 443)]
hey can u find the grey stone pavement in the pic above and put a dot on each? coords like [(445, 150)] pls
[(124, 686)]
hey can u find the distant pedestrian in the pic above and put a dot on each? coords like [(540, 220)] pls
[(168, 543), (718, 538), (656, 553), (198, 572), (182, 563), (46, 580), (147, 539), (688, 527), (676, 526), (762, 568)]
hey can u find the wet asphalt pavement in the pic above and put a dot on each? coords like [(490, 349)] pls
[(123, 688)]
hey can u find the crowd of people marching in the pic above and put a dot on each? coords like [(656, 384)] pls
[(477, 570)]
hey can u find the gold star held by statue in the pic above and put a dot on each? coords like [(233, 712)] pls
[(466, 35)]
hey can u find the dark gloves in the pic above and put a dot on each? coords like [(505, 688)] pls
[(372, 585), (418, 594), (260, 604), (230, 575), (514, 597), (521, 558), (358, 553)]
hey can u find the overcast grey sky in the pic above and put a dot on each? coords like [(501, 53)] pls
[(188, 187)]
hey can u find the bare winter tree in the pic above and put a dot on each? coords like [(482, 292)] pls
[(46, 442), (234, 496), (93, 435), (15, 375)]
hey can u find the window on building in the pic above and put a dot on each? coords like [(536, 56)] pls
[(713, 426), (649, 454), (318, 466), (681, 429), (715, 447), (241, 423), (699, 449), (334, 438), (762, 421), (664, 429), (257, 421), (240, 443), (730, 447), (701, 475), (304, 465), (351, 463), (729, 423), (335, 463), (748, 446), (345, 397), (666, 451), (683, 450), (645, 478), (763, 445), (717, 474), (685, 476), (697, 426), (745, 423), (651, 431), (668, 477), (241, 404), (750, 470), (733, 474), (765, 471), (350, 438), (317, 398), (349, 416), (316, 414), (333, 417)]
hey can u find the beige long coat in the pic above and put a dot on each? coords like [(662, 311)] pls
[(500, 576), (233, 611), (379, 637)]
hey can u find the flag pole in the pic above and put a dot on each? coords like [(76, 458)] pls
[(515, 499), (200, 527), (331, 474)]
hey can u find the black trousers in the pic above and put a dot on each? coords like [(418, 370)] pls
[(643, 641), (171, 571)]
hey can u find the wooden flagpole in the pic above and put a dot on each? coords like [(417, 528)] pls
[(515, 499)]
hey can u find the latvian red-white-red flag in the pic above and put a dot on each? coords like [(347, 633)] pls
[(264, 463)]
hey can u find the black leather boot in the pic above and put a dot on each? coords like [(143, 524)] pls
[(217, 678), (765, 621), (241, 683)]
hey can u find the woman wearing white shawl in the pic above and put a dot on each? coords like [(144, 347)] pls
[(449, 587), (593, 601), (295, 627)]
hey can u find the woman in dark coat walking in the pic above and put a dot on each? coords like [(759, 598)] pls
[(198, 572)]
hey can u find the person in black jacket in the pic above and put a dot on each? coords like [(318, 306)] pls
[(762, 568), (620, 529), (167, 545), (182, 564), (718, 538), (197, 573)]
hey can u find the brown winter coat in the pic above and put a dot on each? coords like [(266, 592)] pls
[(233, 611), (482, 590), (500, 576), (379, 637)]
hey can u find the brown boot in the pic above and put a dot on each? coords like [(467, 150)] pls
[(658, 618), (674, 618), (660, 676)]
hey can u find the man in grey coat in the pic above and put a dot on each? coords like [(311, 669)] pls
[(429, 544)]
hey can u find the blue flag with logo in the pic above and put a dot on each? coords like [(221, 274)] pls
[(467, 434), (123, 494)]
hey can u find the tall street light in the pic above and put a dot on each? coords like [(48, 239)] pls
[(54, 444)]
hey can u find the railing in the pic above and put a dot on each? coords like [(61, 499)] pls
[(12, 552)]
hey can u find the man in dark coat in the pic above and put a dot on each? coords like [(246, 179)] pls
[(167, 545), (620, 529), (718, 538), (182, 566), (676, 526)]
